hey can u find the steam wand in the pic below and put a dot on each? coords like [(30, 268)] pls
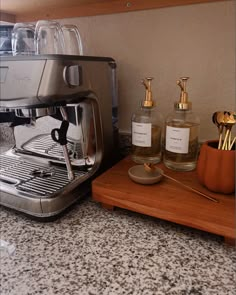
[(59, 136)]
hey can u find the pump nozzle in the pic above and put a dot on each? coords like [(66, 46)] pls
[(148, 102), (183, 103)]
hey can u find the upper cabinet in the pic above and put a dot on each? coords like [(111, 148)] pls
[(32, 10)]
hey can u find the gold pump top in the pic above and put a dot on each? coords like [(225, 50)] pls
[(183, 103), (148, 102)]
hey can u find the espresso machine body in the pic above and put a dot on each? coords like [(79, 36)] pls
[(63, 110)]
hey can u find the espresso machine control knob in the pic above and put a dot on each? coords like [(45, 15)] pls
[(72, 75)]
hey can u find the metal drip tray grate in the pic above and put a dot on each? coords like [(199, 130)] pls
[(44, 145), (32, 179)]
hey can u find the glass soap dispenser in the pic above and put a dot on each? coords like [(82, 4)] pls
[(181, 134), (147, 125)]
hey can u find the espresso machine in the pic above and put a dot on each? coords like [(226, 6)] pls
[(63, 112)]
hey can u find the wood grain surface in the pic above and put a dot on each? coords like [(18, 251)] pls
[(33, 10), (167, 200)]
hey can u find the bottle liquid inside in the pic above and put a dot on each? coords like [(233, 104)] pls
[(152, 154), (183, 161)]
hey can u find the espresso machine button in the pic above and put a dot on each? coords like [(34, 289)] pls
[(73, 75)]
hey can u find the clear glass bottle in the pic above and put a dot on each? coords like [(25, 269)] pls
[(147, 124), (181, 134)]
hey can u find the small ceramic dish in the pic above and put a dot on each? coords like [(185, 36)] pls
[(140, 175)]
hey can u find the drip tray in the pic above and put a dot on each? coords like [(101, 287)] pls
[(22, 177), (44, 145)]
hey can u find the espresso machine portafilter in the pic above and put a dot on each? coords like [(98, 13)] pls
[(63, 110)]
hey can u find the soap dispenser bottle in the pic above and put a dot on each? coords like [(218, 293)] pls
[(181, 134), (147, 124)]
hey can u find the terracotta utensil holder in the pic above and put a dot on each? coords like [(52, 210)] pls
[(216, 168)]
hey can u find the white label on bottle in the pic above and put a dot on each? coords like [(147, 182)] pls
[(142, 134), (177, 139)]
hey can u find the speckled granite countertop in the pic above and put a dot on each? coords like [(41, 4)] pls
[(90, 250)]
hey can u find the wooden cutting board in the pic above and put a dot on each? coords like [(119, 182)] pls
[(167, 200)]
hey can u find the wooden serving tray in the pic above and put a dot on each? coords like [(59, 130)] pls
[(167, 200)]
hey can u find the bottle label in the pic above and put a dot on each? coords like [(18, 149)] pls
[(142, 134), (177, 139)]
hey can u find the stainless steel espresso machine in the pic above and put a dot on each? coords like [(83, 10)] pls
[(64, 113)]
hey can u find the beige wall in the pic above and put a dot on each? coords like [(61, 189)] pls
[(194, 40)]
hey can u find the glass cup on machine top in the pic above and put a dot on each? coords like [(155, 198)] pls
[(72, 39), (49, 38), (23, 39)]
